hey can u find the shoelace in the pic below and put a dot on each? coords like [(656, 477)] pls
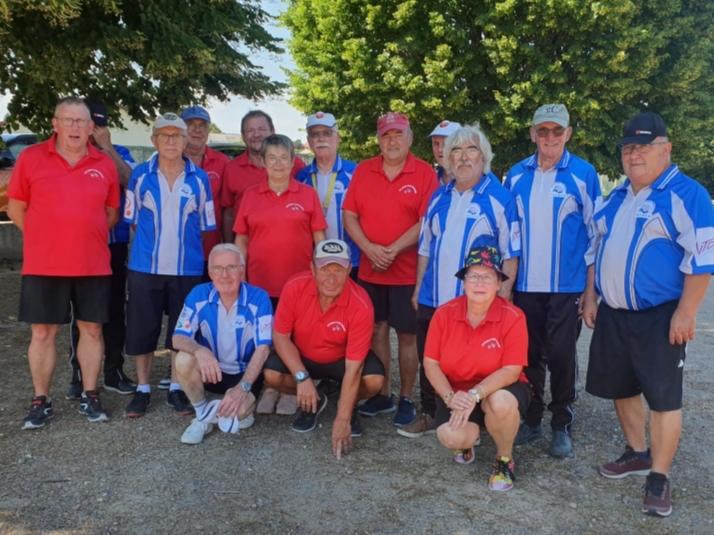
[(656, 487), (503, 469)]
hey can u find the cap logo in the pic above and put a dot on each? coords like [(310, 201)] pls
[(170, 116), (390, 118), (319, 115), (552, 109), (647, 132), (444, 124), (332, 248)]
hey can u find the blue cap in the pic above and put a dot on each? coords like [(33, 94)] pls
[(195, 112)]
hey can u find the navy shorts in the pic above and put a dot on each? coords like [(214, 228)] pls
[(392, 304), (520, 390), (47, 300)]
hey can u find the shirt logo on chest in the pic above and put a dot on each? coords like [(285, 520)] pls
[(295, 207), (558, 190), (491, 343), (94, 173), (408, 189), (646, 210), (336, 326), (212, 175), (186, 191), (473, 211), (239, 322)]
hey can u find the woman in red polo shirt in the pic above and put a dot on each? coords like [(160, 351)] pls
[(475, 352), (278, 223)]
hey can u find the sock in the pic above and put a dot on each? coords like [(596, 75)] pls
[(504, 459), (174, 386), (643, 454), (146, 389), (198, 406)]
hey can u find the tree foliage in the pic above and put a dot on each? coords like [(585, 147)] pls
[(496, 61), (144, 55)]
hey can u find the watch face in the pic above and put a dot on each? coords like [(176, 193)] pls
[(301, 376)]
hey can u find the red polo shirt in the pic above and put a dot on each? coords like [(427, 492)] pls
[(279, 230), (467, 355), (240, 174), (387, 209), (214, 164), (344, 330), (65, 232)]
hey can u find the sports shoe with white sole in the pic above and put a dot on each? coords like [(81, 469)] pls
[(195, 432)]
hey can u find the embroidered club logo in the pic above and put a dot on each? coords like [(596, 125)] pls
[(444, 124), (129, 205), (94, 173), (295, 207), (408, 189), (212, 175), (558, 190), (184, 321), (338, 187), (332, 248), (336, 326), (239, 322), (473, 211), (646, 210), (491, 343), (319, 115), (186, 190)]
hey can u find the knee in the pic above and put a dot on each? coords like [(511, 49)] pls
[(452, 440), (91, 330), (272, 378), (500, 404), (184, 362), (372, 384), (43, 333)]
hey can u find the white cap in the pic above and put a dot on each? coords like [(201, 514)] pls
[(332, 251), (553, 113), (445, 128), (169, 119), (322, 119)]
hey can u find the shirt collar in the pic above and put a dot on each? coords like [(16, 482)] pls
[(92, 151), (292, 186), (494, 314), (409, 165), (189, 169), (479, 187), (661, 183), (337, 168), (215, 298)]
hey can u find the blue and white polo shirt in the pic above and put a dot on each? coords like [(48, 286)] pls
[(167, 238), (233, 335), (456, 221), (555, 208), (119, 233), (644, 244), (333, 214)]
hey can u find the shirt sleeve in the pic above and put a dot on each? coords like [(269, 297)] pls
[(693, 217), (228, 196), (350, 202), (125, 155), (509, 230), (591, 200), (317, 218), (265, 318), (432, 348), (431, 184), (285, 314), (113, 195), (359, 335), (514, 339), (19, 187), (187, 323), (208, 216), (240, 223), (132, 203), (298, 164)]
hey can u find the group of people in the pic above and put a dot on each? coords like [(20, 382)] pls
[(274, 275)]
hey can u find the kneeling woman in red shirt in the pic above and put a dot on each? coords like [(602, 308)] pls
[(475, 352)]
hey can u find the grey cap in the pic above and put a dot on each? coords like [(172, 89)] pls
[(169, 119), (553, 113)]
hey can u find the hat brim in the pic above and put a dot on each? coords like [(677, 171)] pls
[(322, 262), (638, 140), (460, 274)]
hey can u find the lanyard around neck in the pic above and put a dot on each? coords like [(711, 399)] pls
[(328, 197)]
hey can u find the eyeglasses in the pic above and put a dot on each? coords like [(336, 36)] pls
[(175, 138), (475, 278), (68, 121), (272, 160), (201, 126), (637, 148), (217, 271), (543, 131), (471, 152), (320, 133)]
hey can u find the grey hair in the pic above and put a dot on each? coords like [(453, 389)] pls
[(72, 101), (278, 140), (226, 247), (474, 134)]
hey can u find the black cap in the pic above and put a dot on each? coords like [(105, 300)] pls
[(97, 112), (643, 129)]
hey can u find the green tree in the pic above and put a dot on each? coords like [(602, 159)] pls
[(496, 61), (144, 55)]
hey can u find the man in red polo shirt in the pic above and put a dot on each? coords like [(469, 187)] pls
[(323, 330), (247, 169), (64, 197), (198, 122), (382, 213)]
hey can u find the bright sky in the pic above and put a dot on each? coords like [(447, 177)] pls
[(227, 115)]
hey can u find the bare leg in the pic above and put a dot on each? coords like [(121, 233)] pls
[(502, 420), (461, 439), (380, 345), (42, 357), (632, 415), (90, 353), (185, 367), (174, 375), (665, 429), (408, 363), (143, 368)]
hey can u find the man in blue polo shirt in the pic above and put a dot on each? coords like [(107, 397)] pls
[(169, 200), (473, 209), (330, 176), (234, 323), (654, 255), (556, 193)]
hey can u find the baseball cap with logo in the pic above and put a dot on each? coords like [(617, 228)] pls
[(322, 119), (97, 112), (332, 251), (643, 129), (553, 113), (445, 128), (196, 112), (485, 256), (392, 121), (169, 119)]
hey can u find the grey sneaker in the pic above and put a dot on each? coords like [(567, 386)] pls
[(40, 410), (92, 408), (560, 445)]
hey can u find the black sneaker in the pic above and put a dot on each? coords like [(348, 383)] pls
[(178, 400), (74, 391), (120, 386), (138, 405), (306, 421), (355, 424), (658, 495), (40, 410), (329, 387), (92, 408)]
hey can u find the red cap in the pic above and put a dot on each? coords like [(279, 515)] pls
[(392, 121)]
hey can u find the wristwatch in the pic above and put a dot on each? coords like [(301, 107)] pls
[(475, 393), (245, 385), (301, 377)]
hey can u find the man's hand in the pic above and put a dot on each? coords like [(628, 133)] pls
[(307, 397), (102, 137), (233, 400), (208, 365), (415, 300), (682, 327), (587, 308), (341, 437), (380, 256)]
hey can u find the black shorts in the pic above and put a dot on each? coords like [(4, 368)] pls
[(521, 391), (229, 381), (333, 370), (47, 300), (149, 297), (630, 354), (392, 304)]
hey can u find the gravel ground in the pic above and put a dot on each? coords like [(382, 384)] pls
[(135, 477)]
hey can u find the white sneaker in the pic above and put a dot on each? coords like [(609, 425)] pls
[(195, 432), (246, 422)]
